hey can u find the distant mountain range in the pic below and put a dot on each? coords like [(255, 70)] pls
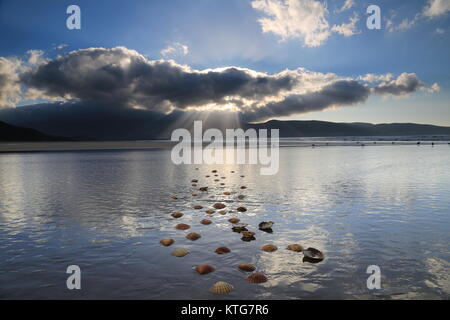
[(328, 129), (12, 133), (287, 129)]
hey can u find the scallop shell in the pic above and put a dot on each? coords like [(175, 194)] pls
[(198, 207), (222, 184), (269, 248), (177, 214), (314, 254), (257, 277), (221, 287), (214, 171), (241, 196), (239, 228), (241, 209), (182, 226), (210, 211), (246, 267), (193, 236), (216, 180), (167, 242), (203, 189), (174, 196), (242, 176), (227, 193), (295, 247), (243, 187), (206, 221), (247, 234), (219, 205), (231, 171), (207, 176), (194, 184), (194, 180), (234, 220), (204, 268), (222, 250), (180, 252)]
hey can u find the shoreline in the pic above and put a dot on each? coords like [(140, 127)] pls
[(19, 147)]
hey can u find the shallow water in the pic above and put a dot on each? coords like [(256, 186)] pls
[(107, 210)]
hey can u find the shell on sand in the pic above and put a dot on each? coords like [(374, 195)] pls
[(314, 254), (203, 189), (194, 194), (227, 193), (221, 287), (242, 176), (207, 176), (194, 184), (243, 187), (204, 268), (269, 248), (216, 180), (194, 180), (257, 277), (241, 196), (193, 236), (209, 211), (219, 205), (231, 171), (182, 226), (167, 242), (174, 196), (180, 252), (222, 250), (247, 234), (222, 212), (214, 171), (246, 267), (234, 220), (222, 184), (295, 247), (177, 214), (197, 207), (223, 177), (206, 221), (241, 209)]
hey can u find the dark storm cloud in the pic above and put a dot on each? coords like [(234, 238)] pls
[(125, 78), (339, 93), (406, 83)]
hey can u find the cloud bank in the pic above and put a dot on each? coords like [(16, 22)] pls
[(122, 79)]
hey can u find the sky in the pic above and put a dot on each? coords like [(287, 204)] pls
[(260, 59)]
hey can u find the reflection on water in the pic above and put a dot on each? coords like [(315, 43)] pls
[(106, 212)]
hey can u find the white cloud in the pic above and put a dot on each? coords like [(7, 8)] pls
[(436, 8), (61, 46), (348, 4), (175, 49), (439, 31), (347, 29), (303, 19)]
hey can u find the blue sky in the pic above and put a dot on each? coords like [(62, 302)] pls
[(229, 33)]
